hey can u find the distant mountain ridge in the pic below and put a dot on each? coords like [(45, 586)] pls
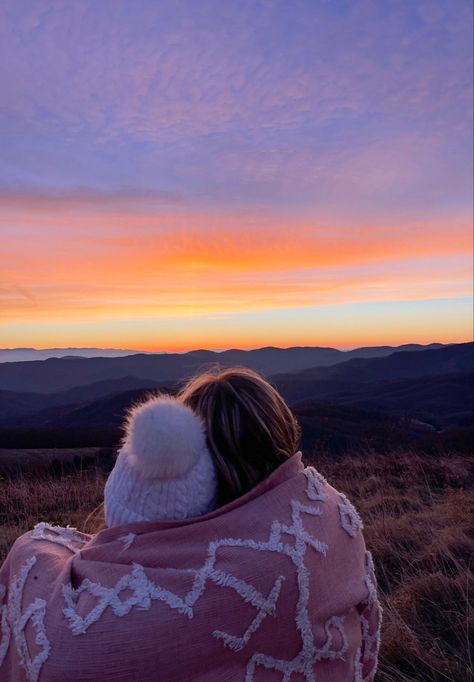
[(30, 354), (61, 374), (435, 385), (399, 365)]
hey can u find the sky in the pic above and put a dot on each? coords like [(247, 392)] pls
[(235, 173)]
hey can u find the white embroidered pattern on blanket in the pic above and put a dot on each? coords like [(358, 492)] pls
[(143, 591), (358, 670), (66, 537), (15, 619), (316, 483), (127, 540), (369, 581), (350, 519), (371, 640)]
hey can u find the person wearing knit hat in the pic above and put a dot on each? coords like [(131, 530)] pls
[(164, 469)]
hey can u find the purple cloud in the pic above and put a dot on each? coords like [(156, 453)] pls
[(241, 102)]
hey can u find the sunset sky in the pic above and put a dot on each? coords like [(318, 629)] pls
[(180, 174)]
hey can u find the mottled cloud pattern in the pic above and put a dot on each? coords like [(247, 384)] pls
[(186, 160)]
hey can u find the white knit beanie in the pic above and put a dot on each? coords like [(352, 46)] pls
[(164, 469)]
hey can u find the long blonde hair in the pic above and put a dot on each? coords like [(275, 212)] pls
[(250, 428)]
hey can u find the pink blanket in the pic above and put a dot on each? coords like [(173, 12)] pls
[(275, 586)]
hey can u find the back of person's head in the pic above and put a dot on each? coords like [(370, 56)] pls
[(250, 428)]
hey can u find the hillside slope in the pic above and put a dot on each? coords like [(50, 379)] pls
[(399, 365)]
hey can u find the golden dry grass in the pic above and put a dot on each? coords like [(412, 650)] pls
[(417, 513), (25, 500)]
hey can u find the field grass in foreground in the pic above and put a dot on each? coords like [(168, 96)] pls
[(417, 513)]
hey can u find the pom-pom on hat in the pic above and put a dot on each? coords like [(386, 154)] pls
[(164, 469)]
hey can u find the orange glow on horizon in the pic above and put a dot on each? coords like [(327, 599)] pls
[(299, 343), (93, 271)]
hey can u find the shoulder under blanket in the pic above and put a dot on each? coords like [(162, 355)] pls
[(275, 586)]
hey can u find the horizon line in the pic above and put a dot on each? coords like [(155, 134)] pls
[(223, 350)]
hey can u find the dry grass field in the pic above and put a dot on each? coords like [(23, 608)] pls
[(417, 513), (418, 517)]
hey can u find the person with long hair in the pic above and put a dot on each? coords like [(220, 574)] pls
[(225, 557)]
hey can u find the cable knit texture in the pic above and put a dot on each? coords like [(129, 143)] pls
[(164, 469)]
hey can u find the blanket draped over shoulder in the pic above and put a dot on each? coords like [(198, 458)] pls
[(275, 586)]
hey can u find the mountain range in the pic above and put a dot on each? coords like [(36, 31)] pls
[(432, 385), (60, 374), (28, 354)]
